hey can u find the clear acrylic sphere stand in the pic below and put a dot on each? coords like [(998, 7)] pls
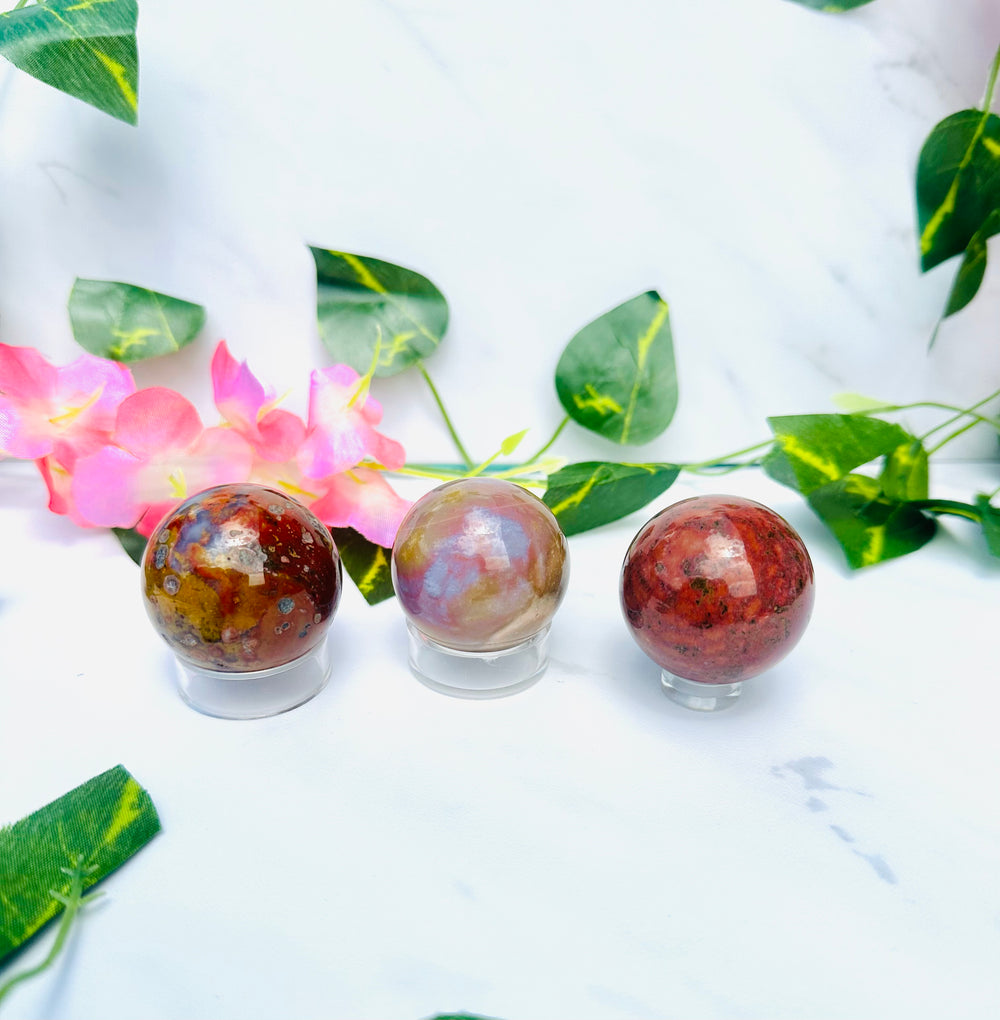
[(700, 696), (256, 694), (478, 675)]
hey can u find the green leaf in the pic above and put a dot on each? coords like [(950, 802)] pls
[(128, 323), (973, 266), (460, 1016), (512, 442), (854, 403), (958, 186), (990, 523), (616, 377), (107, 819), (367, 564), (949, 507), (832, 8), (85, 48), (870, 527), (587, 495), (905, 475), (362, 302), (815, 449), (132, 542)]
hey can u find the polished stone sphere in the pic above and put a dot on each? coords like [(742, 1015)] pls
[(479, 565), (717, 589), (241, 578)]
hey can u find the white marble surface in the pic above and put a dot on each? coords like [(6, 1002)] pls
[(828, 848)]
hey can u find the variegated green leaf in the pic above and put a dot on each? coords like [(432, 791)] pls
[(132, 542), (905, 475), (990, 521), (812, 450), (973, 266), (587, 495), (869, 527), (85, 48), (832, 6), (364, 303), (958, 186), (617, 377), (105, 820), (367, 564), (127, 323)]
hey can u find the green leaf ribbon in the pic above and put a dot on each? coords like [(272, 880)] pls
[(105, 821), (85, 48)]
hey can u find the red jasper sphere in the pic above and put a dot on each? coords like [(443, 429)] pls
[(717, 589), (241, 578)]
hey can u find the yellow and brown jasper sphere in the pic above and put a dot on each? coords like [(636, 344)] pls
[(480, 565), (241, 578), (717, 589)]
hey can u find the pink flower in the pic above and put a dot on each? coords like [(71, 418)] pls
[(318, 465), (342, 426), (160, 454), (248, 408), (45, 409), (362, 499)]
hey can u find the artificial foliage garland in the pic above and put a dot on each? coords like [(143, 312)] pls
[(875, 516)]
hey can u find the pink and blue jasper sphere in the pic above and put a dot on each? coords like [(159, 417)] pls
[(480, 565)]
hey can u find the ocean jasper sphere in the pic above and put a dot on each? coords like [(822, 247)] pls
[(717, 589), (479, 565), (241, 578)]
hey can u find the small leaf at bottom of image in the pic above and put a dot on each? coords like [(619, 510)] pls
[(587, 495), (104, 821), (870, 527), (124, 322), (617, 377), (832, 6)]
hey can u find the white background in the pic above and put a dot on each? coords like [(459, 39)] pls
[(828, 848)]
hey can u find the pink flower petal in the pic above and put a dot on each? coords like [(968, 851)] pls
[(42, 404), (25, 374), (281, 434), (104, 488), (362, 499), (239, 395), (341, 434), (156, 419)]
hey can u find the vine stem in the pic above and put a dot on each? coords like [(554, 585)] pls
[(725, 461), (462, 452), (961, 413), (73, 900), (991, 84), (555, 436)]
